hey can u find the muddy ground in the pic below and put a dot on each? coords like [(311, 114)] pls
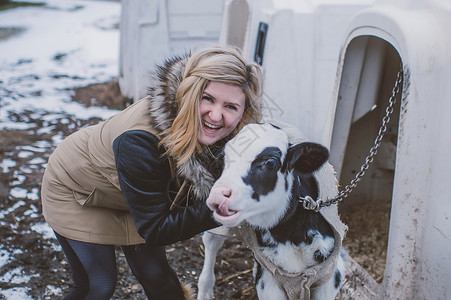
[(43, 261)]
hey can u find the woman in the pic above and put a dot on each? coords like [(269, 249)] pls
[(140, 179)]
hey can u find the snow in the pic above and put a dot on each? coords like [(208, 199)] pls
[(6, 164), (20, 179), (25, 154), (44, 229), (16, 294), (62, 45), (15, 276), (5, 256), (65, 44), (16, 192)]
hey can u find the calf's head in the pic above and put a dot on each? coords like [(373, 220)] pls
[(256, 183)]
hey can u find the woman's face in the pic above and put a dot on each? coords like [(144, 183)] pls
[(221, 109)]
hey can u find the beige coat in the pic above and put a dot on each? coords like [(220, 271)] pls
[(81, 196)]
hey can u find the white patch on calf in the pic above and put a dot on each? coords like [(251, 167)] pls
[(266, 214), (248, 144), (292, 258)]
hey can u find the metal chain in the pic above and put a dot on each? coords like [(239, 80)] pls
[(311, 204)]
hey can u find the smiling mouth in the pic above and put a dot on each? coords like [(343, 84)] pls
[(209, 126)]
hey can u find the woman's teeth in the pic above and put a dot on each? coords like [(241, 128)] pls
[(211, 126)]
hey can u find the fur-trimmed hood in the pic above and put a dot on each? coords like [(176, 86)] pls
[(201, 170)]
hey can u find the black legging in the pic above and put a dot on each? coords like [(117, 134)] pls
[(94, 270)]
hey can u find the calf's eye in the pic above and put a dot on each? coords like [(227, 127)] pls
[(271, 164)]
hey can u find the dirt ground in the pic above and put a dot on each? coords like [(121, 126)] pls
[(43, 261)]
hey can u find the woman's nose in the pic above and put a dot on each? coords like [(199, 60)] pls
[(215, 115)]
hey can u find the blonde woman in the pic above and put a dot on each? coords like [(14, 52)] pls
[(140, 179)]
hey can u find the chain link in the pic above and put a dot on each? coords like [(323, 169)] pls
[(311, 204)]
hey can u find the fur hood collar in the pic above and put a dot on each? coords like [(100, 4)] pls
[(162, 93), (201, 170)]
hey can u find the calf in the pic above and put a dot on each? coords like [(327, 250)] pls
[(263, 179)]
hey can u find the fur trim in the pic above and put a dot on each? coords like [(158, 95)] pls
[(188, 292), (162, 94), (163, 108)]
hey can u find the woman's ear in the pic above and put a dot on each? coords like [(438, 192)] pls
[(306, 157)]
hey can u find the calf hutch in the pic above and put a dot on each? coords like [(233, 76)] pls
[(337, 71)]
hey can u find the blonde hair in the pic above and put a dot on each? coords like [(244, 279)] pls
[(220, 63)]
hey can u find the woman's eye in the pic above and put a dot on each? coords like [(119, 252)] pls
[(233, 107), (207, 98)]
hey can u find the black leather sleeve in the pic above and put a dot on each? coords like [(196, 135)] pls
[(144, 177)]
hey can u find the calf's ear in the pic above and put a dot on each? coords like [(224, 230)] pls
[(306, 157)]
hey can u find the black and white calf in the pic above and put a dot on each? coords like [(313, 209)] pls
[(263, 178)]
